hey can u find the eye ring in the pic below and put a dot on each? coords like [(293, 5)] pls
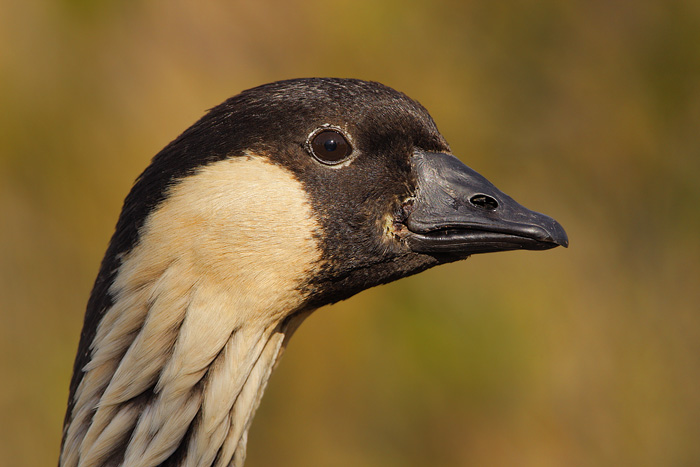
[(329, 145)]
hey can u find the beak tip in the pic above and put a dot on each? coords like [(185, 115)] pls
[(559, 235)]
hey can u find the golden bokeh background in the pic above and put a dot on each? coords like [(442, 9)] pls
[(588, 111)]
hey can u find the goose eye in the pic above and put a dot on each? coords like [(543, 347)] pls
[(330, 147)]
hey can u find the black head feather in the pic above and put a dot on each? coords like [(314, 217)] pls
[(275, 120)]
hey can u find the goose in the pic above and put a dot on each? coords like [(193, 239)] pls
[(284, 198)]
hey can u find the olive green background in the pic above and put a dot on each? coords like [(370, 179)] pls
[(588, 111)]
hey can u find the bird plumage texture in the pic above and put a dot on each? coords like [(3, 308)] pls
[(282, 199)]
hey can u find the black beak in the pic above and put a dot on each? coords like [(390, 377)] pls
[(457, 211)]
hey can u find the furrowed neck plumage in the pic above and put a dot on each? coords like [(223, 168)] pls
[(200, 310)]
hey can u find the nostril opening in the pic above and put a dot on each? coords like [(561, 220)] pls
[(485, 202)]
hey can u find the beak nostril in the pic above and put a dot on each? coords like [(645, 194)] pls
[(484, 202)]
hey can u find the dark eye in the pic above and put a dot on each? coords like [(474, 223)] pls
[(330, 146)]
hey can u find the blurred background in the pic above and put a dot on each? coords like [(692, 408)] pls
[(588, 111)]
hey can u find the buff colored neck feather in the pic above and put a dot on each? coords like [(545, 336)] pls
[(198, 320)]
